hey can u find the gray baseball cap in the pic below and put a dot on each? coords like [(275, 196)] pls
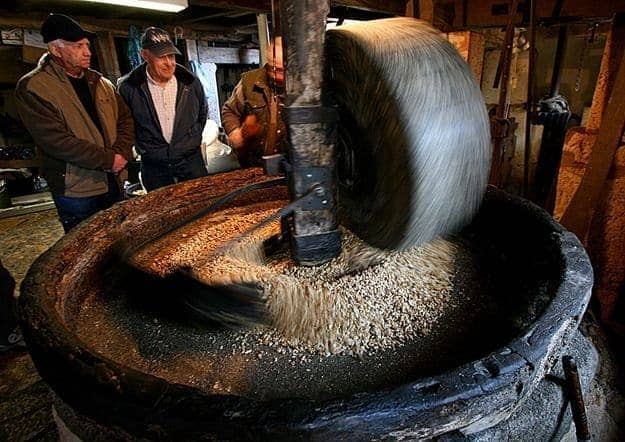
[(158, 42)]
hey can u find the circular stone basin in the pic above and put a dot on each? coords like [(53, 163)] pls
[(116, 354)]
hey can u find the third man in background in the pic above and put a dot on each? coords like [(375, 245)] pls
[(252, 115), (169, 109)]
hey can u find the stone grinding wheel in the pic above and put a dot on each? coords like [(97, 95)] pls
[(414, 139)]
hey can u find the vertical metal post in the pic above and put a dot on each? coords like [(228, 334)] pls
[(314, 231), (556, 74)]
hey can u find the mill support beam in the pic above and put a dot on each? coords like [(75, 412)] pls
[(315, 235)]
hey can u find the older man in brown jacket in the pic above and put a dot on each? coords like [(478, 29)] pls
[(82, 127)]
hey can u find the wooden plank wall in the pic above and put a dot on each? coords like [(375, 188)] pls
[(494, 12)]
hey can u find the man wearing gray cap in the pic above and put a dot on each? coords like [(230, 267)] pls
[(169, 109), (82, 127)]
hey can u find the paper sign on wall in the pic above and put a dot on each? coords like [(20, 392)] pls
[(12, 36), (34, 38)]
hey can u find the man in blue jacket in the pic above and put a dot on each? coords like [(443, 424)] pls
[(169, 109)]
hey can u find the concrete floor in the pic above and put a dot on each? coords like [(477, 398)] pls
[(25, 402)]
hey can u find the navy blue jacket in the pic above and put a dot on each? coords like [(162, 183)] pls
[(191, 114)]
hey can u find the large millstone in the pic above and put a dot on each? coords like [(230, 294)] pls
[(150, 376)]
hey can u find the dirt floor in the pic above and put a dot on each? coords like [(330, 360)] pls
[(25, 402)]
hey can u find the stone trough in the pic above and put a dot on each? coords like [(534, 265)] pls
[(121, 369)]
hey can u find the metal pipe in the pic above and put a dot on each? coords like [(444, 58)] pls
[(556, 75)]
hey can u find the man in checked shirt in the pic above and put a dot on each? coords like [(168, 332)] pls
[(169, 109)]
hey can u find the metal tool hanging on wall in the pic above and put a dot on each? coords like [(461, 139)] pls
[(555, 115), (502, 125)]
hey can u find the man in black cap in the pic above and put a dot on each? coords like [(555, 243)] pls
[(82, 127), (170, 110)]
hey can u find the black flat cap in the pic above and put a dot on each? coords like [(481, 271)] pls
[(158, 42), (61, 26)]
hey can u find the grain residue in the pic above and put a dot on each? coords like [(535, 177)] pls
[(363, 300)]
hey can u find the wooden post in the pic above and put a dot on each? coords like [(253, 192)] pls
[(470, 45), (502, 105), (192, 50), (107, 55), (207, 74), (527, 152), (426, 10), (315, 235), (579, 213), (263, 36), (460, 14), (411, 9), (423, 9)]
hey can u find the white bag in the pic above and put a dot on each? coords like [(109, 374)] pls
[(218, 157)]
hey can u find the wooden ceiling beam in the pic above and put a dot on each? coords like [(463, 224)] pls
[(397, 7), (240, 5), (117, 27), (208, 17)]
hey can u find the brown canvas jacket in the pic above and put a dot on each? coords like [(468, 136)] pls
[(74, 154), (252, 96)]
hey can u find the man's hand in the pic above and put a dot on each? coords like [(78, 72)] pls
[(250, 127), (119, 162), (236, 139)]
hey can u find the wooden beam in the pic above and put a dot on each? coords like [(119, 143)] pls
[(209, 54), (31, 54), (471, 46), (612, 52), (117, 27), (206, 72), (315, 236), (459, 14), (492, 12), (107, 56), (242, 14), (397, 7), (263, 36), (192, 51), (426, 10), (10, 71), (23, 210), (579, 213), (35, 19), (502, 108), (250, 5), (207, 17), (411, 9)]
